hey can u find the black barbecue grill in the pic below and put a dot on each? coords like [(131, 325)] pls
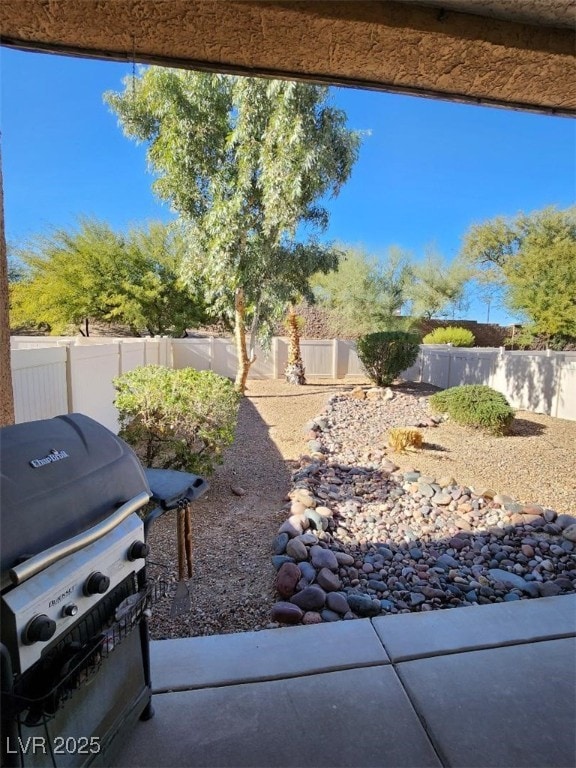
[(74, 597)]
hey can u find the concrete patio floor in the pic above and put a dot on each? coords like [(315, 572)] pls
[(482, 686)]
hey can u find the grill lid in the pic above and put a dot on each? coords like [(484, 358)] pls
[(59, 477)]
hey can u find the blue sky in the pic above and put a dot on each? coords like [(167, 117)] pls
[(427, 171)]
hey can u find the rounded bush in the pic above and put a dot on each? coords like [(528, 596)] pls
[(452, 334), (475, 405), (177, 419), (386, 354)]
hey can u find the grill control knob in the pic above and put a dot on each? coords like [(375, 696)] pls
[(39, 629), (96, 584), (70, 610), (138, 551)]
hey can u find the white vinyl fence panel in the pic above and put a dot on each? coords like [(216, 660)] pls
[(347, 360), (192, 353), (132, 355), (263, 366), (436, 368), (470, 366), (77, 376), (542, 382), (92, 370), (158, 352), (224, 358), (39, 383), (318, 357), (565, 400)]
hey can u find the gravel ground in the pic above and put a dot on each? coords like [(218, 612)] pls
[(233, 584)]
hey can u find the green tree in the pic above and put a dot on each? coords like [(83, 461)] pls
[(152, 294), (542, 287), (246, 162), (365, 294), (95, 273), (533, 258), (436, 288)]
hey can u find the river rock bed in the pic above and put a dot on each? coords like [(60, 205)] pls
[(364, 538)]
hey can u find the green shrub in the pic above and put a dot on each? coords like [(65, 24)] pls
[(455, 335), (475, 405), (178, 419), (386, 354)]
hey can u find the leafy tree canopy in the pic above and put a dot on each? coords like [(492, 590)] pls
[(542, 287), (436, 288), (94, 272), (364, 294), (247, 163), (533, 258)]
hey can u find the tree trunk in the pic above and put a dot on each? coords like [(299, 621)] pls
[(244, 362), (295, 371), (6, 393)]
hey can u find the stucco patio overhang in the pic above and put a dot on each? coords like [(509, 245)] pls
[(501, 52)]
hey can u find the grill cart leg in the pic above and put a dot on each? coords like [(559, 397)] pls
[(148, 711)]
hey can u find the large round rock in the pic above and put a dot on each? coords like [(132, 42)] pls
[(323, 558), (287, 613), (286, 579), (311, 598), (362, 605)]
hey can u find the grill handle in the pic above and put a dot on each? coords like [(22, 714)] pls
[(39, 562)]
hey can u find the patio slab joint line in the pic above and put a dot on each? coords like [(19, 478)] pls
[(268, 678), (423, 722), (479, 647)]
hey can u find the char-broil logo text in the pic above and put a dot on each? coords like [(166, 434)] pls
[(53, 456), (61, 597)]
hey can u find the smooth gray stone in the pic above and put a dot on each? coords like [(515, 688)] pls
[(570, 533), (363, 605), (426, 490), (500, 728), (279, 544), (379, 586), (447, 561), (510, 579), (336, 601), (328, 580), (297, 550), (549, 589), (307, 570), (311, 598), (416, 599), (563, 521), (323, 558), (328, 615)]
